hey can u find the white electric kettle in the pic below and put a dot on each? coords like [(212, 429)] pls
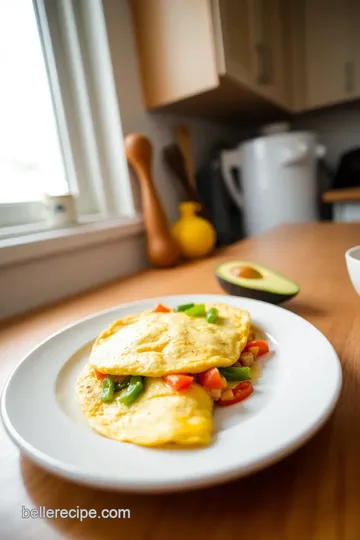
[(278, 179)]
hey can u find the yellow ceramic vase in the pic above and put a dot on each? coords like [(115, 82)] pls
[(195, 236)]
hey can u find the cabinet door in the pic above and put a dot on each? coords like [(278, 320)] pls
[(268, 32), (293, 13), (175, 49), (237, 58), (355, 46), (327, 50)]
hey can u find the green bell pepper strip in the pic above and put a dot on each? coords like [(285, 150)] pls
[(183, 307), (212, 315), (107, 393), (133, 391), (196, 311), (121, 385), (236, 373)]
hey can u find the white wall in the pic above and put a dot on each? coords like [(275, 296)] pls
[(25, 286), (157, 126), (338, 128), (37, 282)]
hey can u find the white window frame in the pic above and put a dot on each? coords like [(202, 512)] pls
[(75, 44)]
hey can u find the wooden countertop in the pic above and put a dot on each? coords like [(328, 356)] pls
[(312, 495), (345, 195)]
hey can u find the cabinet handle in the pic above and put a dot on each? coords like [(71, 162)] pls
[(349, 76), (264, 62)]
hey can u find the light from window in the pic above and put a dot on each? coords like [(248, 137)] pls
[(30, 156)]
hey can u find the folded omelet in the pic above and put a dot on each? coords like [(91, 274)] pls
[(156, 344), (153, 345), (158, 417)]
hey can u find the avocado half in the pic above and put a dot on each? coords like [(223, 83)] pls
[(245, 278)]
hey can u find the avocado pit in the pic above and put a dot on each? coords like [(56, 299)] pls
[(246, 272)]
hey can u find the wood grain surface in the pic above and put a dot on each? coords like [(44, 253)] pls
[(345, 195), (312, 495)]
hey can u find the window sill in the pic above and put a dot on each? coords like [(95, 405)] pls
[(19, 249)]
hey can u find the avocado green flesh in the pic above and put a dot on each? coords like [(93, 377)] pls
[(271, 282)]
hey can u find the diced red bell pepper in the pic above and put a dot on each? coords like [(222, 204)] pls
[(99, 376), (212, 379), (179, 381), (260, 343), (161, 309), (241, 392)]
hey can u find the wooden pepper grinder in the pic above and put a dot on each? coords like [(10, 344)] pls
[(163, 250)]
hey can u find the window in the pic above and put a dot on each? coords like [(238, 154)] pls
[(60, 129), (30, 156)]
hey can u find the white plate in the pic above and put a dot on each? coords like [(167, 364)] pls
[(297, 393)]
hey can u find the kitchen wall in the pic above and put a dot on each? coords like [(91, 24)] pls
[(157, 126), (26, 286), (338, 128)]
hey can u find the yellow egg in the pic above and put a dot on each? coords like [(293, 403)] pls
[(157, 344), (152, 345), (159, 416), (194, 234)]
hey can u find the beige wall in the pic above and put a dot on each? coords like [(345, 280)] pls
[(69, 273), (338, 128), (157, 126), (40, 281)]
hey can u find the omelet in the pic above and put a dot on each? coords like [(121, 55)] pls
[(159, 416), (159, 351), (156, 344)]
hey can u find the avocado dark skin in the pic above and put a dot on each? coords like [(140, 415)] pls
[(252, 280), (265, 296)]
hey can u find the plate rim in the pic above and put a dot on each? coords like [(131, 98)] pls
[(57, 467)]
